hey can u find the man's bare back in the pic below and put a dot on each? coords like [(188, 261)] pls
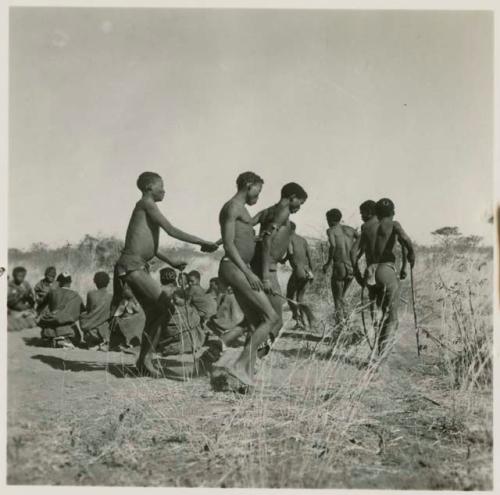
[(340, 244)]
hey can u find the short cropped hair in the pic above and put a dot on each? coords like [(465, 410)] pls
[(293, 189), (248, 178), (293, 226), (64, 278), (50, 269), (101, 280), (19, 269), (169, 276), (146, 179), (334, 215), (368, 206), (384, 208), (196, 274)]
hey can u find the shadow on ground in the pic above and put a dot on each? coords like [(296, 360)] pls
[(174, 368)]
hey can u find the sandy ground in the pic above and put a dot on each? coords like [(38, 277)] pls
[(81, 417)]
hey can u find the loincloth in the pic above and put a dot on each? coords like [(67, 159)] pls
[(371, 271), (342, 271), (128, 263)]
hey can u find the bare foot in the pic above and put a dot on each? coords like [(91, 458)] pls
[(146, 367)]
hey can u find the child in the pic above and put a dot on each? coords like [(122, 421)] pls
[(199, 299)]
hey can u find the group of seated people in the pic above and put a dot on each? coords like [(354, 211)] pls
[(102, 324)]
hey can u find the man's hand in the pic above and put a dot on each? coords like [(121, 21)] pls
[(403, 274), (267, 286), (209, 247), (254, 281), (411, 259)]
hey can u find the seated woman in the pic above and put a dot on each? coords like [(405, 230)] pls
[(95, 321), (60, 323), (20, 302)]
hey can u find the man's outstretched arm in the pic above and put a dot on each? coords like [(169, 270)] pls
[(157, 216)]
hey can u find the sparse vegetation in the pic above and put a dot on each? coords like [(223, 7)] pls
[(320, 419)]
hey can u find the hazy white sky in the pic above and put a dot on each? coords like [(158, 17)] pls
[(352, 105)]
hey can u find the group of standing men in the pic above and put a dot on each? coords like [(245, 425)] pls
[(250, 261)]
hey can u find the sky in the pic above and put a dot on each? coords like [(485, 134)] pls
[(352, 105)]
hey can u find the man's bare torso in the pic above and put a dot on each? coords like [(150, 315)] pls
[(281, 240), (244, 233), (142, 234)]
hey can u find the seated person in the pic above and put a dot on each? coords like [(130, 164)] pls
[(214, 290), (43, 287), (20, 302), (168, 280), (95, 321), (182, 332), (60, 322), (127, 322), (228, 324), (204, 303)]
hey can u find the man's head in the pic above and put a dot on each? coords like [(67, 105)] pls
[(194, 278), (295, 195), (213, 285), (293, 226), (50, 274), (333, 216), (64, 279), (19, 274), (251, 184), (384, 208), (367, 209), (101, 280), (168, 276), (152, 183)]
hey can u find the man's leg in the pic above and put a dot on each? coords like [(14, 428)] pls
[(291, 289), (276, 299), (339, 274), (258, 312), (155, 304), (388, 282)]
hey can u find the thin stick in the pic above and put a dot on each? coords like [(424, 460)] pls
[(193, 352), (417, 330), (363, 317)]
